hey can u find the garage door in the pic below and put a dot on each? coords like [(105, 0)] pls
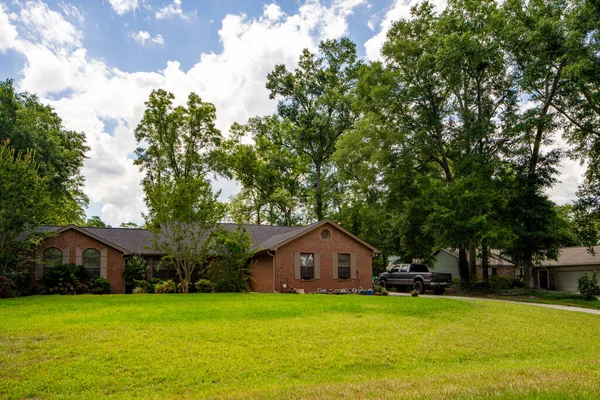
[(566, 281)]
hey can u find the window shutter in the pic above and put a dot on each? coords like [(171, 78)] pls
[(297, 265), (78, 257), (103, 263), (66, 256), (335, 266), (352, 266), (317, 266)]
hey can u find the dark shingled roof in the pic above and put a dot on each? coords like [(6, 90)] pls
[(139, 241)]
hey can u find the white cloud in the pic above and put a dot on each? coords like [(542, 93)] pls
[(88, 91), (71, 11), (8, 33), (399, 10), (47, 27), (173, 10), (144, 38), (123, 6)]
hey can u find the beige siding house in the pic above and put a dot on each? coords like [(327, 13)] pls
[(572, 263), (447, 261)]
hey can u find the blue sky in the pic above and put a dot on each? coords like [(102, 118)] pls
[(96, 62)]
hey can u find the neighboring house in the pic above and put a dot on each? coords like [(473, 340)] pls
[(447, 261), (572, 263), (321, 255)]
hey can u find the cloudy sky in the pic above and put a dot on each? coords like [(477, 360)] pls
[(95, 63)]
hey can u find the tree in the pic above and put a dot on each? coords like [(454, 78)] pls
[(316, 102), (59, 153), (24, 205), (230, 266), (95, 222), (442, 104), (128, 225), (182, 209), (271, 175), (546, 49)]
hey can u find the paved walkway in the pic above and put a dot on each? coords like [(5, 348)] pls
[(555, 306)]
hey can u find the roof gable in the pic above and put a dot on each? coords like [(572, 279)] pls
[(280, 240)]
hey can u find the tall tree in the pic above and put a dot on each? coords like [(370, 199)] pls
[(59, 153), (443, 90), (24, 205), (316, 100), (546, 52), (271, 175), (178, 154)]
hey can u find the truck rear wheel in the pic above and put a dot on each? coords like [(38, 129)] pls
[(439, 290), (419, 287)]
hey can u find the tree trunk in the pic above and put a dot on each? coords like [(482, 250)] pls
[(529, 280), (484, 261), (463, 267), (318, 193), (473, 260)]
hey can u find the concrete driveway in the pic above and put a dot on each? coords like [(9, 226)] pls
[(555, 306)]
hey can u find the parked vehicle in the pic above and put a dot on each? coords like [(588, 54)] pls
[(416, 276)]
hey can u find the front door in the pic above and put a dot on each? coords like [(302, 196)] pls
[(543, 276)]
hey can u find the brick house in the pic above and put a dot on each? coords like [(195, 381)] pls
[(320, 255)]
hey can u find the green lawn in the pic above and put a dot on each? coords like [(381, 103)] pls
[(293, 346)]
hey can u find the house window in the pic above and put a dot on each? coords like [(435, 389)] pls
[(343, 266), (164, 269), (307, 266), (91, 262), (52, 257), (325, 234), (494, 271)]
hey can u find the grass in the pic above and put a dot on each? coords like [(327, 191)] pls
[(531, 296), (290, 346)]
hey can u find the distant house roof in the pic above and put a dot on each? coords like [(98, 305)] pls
[(570, 256), (139, 241), (495, 260)]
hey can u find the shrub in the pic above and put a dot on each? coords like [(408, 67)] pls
[(135, 271), (6, 288), (518, 283), (148, 285), (67, 279), (165, 287), (139, 290), (499, 282), (204, 286), (231, 268), (414, 293), (378, 289), (100, 286), (588, 286), (384, 292)]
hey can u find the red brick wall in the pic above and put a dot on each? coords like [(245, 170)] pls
[(261, 274), (73, 239), (338, 242)]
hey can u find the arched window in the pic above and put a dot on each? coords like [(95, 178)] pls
[(52, 257), (91, 262)]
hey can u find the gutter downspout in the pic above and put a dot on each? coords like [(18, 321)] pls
[(273, 255)]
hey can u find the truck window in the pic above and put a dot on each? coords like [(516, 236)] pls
[(419, 268), (395, 269), (403, 269)]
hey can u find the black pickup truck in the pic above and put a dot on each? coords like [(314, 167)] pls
[(416, 276)]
